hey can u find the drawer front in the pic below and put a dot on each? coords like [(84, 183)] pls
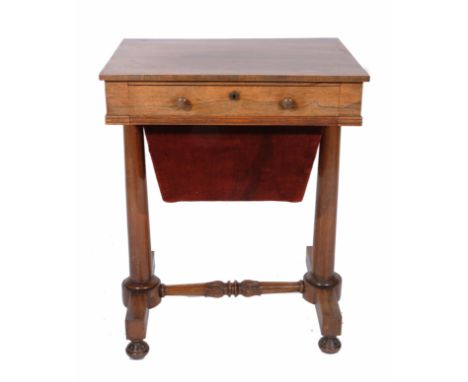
[(147, 100), (211, 103)]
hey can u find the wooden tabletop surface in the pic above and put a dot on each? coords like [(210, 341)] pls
[(249, 60)]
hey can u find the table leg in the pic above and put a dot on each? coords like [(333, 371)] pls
[(141, 289), (322, 285)]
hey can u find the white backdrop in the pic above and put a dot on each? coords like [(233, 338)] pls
[(401, 242)]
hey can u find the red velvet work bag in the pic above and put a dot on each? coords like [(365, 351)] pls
[(232, 163)]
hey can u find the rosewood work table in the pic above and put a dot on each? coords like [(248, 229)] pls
[(233, 120)]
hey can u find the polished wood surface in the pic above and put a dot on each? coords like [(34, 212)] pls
[(322, 285), (246, 288), (326, 203), (215, 100), (267, 85), (141, 290), (277, 60), (180, 120), (325, 297), (209, 103), (139, 244)]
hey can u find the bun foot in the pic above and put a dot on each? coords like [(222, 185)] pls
[(137, 349), (329, 345)]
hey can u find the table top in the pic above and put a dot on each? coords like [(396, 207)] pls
[(245, 60)]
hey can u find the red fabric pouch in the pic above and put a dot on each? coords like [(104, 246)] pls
[(232, 163)]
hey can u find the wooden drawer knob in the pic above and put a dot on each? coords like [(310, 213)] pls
[(287, 103), (183, 103)]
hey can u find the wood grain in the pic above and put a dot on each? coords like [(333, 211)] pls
[(210, 104), (277, 60), (141, 289), (246, 288), (234, 121), (139, 244), (328, 312), (251, 82), (350, 100), (153, 100), (136, 322), (326, 204), (136, 319)]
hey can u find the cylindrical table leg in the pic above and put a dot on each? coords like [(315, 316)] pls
[(139, 244), (326, 204), (141, 289), (321, 284)]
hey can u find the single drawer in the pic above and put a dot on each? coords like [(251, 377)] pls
[(233, 100), (186, 103)]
